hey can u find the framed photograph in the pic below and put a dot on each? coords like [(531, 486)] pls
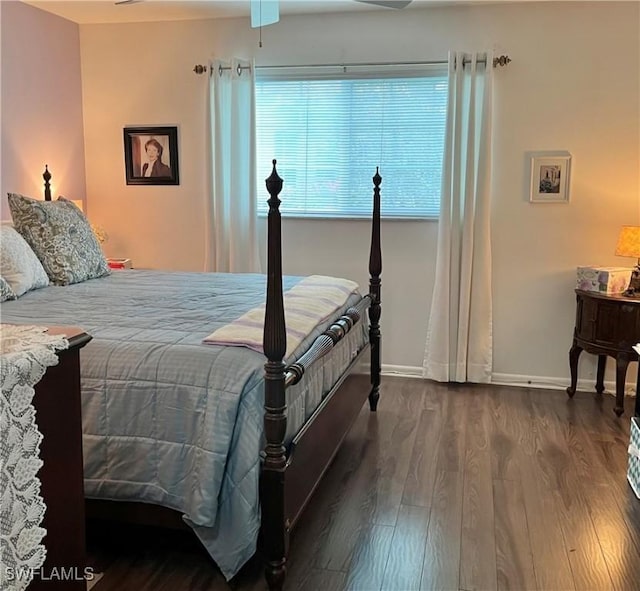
[(550, 176), (151, 155)]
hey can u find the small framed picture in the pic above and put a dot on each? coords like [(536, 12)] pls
[(151, 155), (550, 176)]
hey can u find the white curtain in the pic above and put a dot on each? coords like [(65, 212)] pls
[(231, 241), (459, 338)]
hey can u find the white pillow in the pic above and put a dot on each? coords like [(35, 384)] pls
[(19, 265)]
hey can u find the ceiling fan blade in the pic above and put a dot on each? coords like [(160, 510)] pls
[(388, 3), (264, 12)]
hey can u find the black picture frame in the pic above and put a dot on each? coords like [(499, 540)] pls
[(159, 141)]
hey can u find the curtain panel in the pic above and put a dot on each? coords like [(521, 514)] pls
[(231, 241), (459, 343)]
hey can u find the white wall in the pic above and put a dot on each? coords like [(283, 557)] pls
[(572, 85), (41, 116)]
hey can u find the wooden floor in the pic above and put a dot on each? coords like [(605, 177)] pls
[(461, 488)]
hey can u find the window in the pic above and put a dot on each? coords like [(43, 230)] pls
[(329, 130)]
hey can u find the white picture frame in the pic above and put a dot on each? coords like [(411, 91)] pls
[(550, 177)]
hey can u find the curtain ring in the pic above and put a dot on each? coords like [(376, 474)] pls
[(239, 69), (220, 70)]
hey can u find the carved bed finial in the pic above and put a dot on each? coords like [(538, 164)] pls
[(275, 336), (46, 175), (274, 186)]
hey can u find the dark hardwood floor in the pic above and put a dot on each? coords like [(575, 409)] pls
[(446, 487)]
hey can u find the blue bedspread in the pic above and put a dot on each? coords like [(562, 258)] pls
[(167, 419)]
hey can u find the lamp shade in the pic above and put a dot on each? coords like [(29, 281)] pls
[(629, 242)]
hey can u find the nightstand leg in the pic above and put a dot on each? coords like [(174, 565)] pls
[(574, 354), (622, 362), (602, 364)]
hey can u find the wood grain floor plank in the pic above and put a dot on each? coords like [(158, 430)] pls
[(322, 579), (350, 517), (351, 474), (367, 567), (586, 462), (510, 430), (523, 438), (613, 508), (550, 556), (514, 557), (545, 483), (478, 545), (441, 566), (406, 556), (586, 558), (418, 487), (396, 450), (557, 468), (373, 492), (613, 452), (450, 450), (621, 553)]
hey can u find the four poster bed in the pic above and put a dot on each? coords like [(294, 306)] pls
[(155, 422)]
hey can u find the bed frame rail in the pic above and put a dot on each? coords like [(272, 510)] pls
[(286, 483), (326, 341)]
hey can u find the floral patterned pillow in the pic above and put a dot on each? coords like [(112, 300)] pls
[(19, 266), (6, 293), (61, 237)]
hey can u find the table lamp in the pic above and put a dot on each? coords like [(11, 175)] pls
[(629, 246)]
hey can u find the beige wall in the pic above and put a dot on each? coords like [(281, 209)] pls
[(41, 115), (573, 85)]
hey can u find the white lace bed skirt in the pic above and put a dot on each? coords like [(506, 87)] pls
[(25, 354)]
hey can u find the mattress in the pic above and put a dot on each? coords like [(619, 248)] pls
[(167, 419)]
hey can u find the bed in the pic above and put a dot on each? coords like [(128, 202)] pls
[(175, 428)]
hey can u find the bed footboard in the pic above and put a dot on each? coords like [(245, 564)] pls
[(287, 481)]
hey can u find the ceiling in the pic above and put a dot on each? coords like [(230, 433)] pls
[(106, 11)]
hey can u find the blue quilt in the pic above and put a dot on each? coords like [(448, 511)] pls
[(167, 419)]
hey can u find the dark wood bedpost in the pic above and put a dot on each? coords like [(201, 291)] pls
[(375, 269), (274, 534), (46, 175)]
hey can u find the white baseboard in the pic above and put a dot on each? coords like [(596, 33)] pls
[(505, 379), (550, 383), (404, 371)]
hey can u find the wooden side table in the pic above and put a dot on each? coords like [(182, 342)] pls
[(606, 325), (59, 418)]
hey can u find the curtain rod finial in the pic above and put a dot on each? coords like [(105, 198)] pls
[(199, 69), (503, 60)]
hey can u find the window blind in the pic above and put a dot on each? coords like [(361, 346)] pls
[(330, 129)]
